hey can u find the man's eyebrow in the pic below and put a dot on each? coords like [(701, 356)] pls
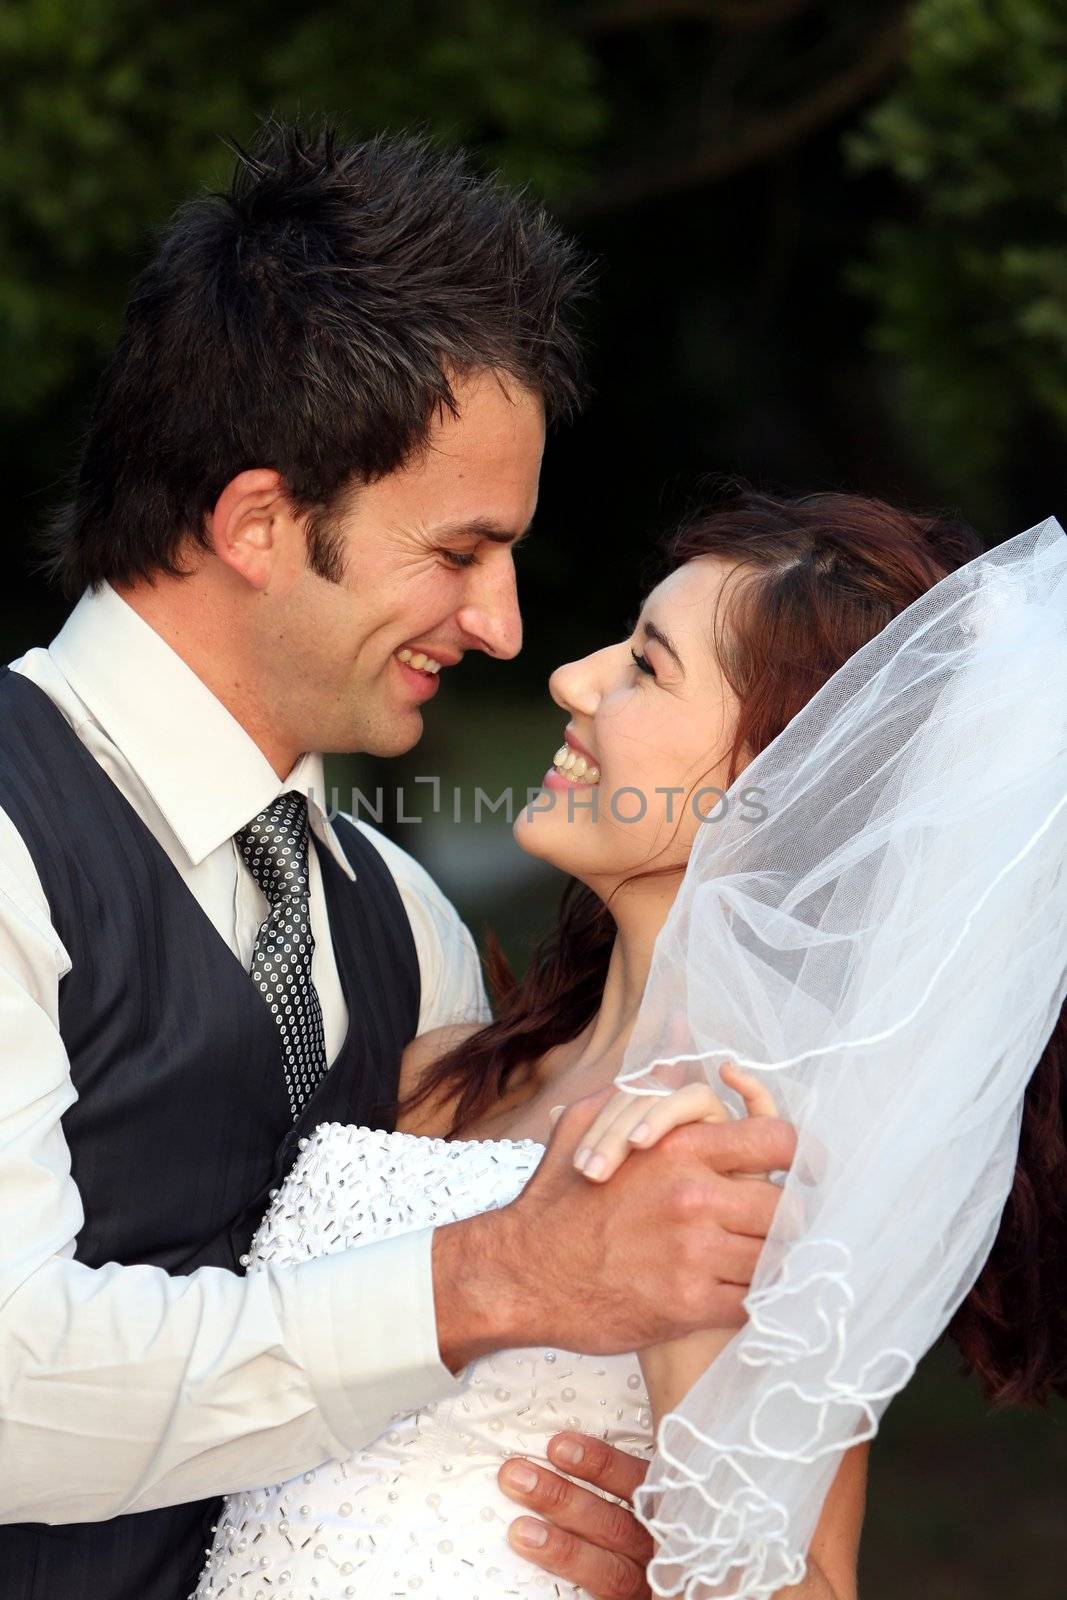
[(481, 528), (652, 632)]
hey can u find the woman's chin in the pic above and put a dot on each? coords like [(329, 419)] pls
[(532, 833), (538, 832)]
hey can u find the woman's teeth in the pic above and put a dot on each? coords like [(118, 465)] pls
[(420, 662), (574, 766)]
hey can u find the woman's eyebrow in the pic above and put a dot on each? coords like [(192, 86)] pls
[(652, 632)]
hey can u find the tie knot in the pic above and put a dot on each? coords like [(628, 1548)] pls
[(274, 847)]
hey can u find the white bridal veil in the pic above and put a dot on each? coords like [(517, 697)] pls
[(887, 950)]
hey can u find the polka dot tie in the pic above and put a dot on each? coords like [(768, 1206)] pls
[(274, 847)]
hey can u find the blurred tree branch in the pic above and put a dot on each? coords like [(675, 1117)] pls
[(114, 108), (762, 134), (597, 112), (735, 14)]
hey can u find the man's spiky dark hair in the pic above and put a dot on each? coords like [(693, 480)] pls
[(311, 320)]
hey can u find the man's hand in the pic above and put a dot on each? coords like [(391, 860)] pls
[(589, 1541), (667, 1247)]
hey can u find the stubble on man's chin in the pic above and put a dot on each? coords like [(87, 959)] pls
[(387, 744)]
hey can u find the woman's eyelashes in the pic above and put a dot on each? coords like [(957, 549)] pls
[(642, 663)]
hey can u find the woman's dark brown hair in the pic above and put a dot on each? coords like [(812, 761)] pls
[(823, 575)]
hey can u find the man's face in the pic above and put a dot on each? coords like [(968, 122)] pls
[(428, 572)]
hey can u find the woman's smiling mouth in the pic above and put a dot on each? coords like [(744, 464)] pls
[(575, 765)]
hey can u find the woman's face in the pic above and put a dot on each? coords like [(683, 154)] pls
[(645, 752)]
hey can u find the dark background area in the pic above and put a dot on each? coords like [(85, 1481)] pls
[(832, 252)]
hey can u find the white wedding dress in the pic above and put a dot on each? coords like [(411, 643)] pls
[(418, 1511)]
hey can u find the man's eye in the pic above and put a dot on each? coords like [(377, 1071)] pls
[(456, 559), (642, 663)]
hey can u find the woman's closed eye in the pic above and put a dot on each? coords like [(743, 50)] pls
[(642, 663)]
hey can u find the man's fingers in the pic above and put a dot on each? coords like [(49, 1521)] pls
[(614, 1471), (744, 1144), (601, 1573), (582, 1512), (730, 1306), (747, 1206), (738, 1257)]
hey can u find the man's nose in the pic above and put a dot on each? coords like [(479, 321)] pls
[(490, 615)]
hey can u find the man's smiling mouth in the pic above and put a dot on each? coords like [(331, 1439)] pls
[(420, 662)]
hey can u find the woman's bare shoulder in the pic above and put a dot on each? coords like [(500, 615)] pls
[(434, 1116)]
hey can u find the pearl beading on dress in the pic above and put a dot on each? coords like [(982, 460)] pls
[(417, 1512)]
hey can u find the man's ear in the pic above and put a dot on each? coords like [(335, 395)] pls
[(254, 530)]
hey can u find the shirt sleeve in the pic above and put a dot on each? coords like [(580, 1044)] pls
[(453, 989), (122, 1388)]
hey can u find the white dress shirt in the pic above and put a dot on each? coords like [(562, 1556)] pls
[(121, 1388)]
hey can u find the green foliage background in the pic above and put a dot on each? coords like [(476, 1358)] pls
[(971, 283), (115, 108)]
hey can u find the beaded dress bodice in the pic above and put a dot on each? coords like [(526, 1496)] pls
[(417, 1512)]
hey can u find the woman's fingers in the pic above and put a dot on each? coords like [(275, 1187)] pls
[(697, 1102), (634, 1121), (605, 1145), (630, 1121), (759, 1102)]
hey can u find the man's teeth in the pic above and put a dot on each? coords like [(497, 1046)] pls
[(420, 662), (574, 766)]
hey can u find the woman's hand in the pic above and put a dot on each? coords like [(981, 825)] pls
[(636, 1121)]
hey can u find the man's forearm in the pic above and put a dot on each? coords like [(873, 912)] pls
[(478, 1288), (122, 1389)]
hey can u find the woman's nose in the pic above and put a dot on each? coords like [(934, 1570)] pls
[(575, 686)]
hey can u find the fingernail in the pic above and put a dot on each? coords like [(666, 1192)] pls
[(530, 1533), (520, 1476), (569, 1453), (595, 1168), (582, 1157), (555, 1114), (640, 1133)]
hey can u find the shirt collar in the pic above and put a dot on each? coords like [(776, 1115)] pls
[(205, 773)]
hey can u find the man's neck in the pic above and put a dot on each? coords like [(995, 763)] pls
[(189, 619)]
